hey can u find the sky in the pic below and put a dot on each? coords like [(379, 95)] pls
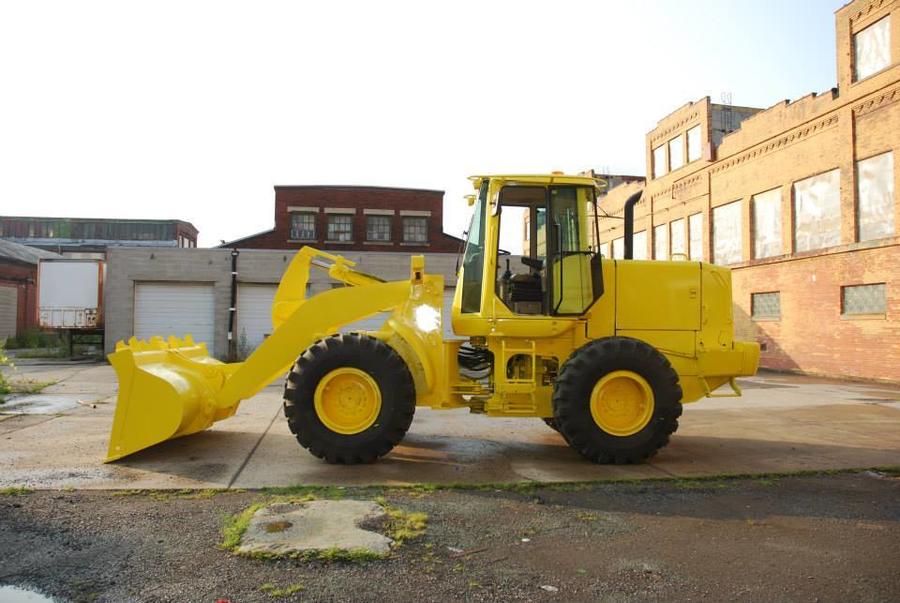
[(195, 110)]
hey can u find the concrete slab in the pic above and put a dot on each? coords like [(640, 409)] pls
[(319, 525), (783, 423)]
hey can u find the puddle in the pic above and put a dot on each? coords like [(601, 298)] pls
[(14, 594), (39, 404)]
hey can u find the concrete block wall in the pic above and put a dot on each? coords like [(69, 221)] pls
[(127, 266)]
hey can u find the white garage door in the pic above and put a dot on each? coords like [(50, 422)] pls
[(175, 309), (254, 315), (9, 308)]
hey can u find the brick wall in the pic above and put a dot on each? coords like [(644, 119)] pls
[(774, 148), (358, 198)]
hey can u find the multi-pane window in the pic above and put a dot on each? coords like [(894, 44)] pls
[(875, 191), (676, 238), (872, 49), (378, 228), (676, 152), (767, 224), (659, 161), (694, 152), (695, 234), (618, 248), (765, 305), (817, 211), (415, 230), (340, 228), (660, 242), (727, 234), (303, 226), (863, 299), (640, 245)]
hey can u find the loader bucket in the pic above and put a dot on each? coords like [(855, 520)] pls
[(166, 390)]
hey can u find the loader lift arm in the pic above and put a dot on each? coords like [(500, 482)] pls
[(172, 388)]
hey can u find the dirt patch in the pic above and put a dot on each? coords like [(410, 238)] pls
[(831, 538)]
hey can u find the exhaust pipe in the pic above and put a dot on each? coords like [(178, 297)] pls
[(629, 224)]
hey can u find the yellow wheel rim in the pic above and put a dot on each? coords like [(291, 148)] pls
[(347, 400), (622, 403)]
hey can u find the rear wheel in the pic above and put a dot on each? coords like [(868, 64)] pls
[(617, 400), (349, 399)]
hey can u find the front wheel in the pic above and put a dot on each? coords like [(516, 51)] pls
[(349, 399), (617, 400)]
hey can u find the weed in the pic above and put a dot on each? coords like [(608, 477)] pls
[(326, 492), (234, 526), (15, 491), (29, 386), (403, 525), (278, 592)]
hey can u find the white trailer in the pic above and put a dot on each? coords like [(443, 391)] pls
[(70, 294)]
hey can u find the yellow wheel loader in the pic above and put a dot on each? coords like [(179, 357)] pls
[(605, 351)]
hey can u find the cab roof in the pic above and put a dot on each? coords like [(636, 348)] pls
[(535, 179)]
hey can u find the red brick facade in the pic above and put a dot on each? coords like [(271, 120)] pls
[(744, 153), (325, 201)]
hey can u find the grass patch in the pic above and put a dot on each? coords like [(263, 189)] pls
[(277, 592), (167, 495), (29, 386), (235, 525), (316, 492), (403, 525), (15, 491)]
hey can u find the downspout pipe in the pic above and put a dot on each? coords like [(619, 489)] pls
[(232, 308), (629, 224)]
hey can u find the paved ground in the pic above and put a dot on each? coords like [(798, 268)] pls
[(783, 423), (811, 538)]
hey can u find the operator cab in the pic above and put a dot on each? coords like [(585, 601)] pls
[(530, 249)]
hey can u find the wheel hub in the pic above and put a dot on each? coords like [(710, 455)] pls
[(347, 400), (622, 403)]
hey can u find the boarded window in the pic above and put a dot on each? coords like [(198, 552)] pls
[(875, 179), (872, 48), (640, 245), (378, 228), (695, 226), (659, 161), (340, 228), (676, 238), (415, 230), (303, 227), (676, 152), (693, 144), (660, 243), (817, 211), (618, 248), (727, 241), (767, 224), (766, 305), (864, 299)]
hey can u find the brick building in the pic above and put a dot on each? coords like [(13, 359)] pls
[(799, 199), (355, 218), (18, 287), (90, 237)]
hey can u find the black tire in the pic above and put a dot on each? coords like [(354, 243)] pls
[(383, 365), (572, 394), (551, 423)]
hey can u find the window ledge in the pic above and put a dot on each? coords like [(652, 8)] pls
[(378, 242), (765, 318), (415, 243), (303, 240), (863, 316), (331, 242)]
